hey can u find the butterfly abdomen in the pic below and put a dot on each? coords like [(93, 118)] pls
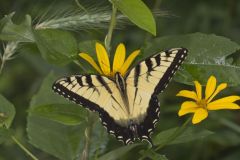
[(120, 82)]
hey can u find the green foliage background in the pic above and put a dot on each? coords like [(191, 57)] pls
[(53, 128)]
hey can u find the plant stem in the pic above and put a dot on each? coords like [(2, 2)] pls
[(111, 28), (81, 6), (157, 4), (24, 148), (88, 133), (177, 133), (81, 66), (2, 65)]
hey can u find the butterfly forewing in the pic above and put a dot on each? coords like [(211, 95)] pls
[(154, 73), (97, 93)]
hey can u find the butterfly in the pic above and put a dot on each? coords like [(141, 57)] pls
[(128, 106)]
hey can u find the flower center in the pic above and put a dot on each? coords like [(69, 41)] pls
[(202, 103)]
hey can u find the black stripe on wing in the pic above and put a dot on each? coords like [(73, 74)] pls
[(147, 126), (179, 58), (155, 63), (139, 77), (121, 133)]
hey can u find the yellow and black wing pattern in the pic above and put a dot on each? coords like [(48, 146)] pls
[(133, 114), (145, 81), (97, 93)]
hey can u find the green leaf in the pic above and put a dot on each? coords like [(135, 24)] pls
[(5, 20), (13, 32), (138, 13), (5, 134), (45, 95), (56, 46), (99, 140), (150, 154), (62, 141), (190, 134), (67, 114), (88, 47), (207, 56), (119, 152), (7, 112)]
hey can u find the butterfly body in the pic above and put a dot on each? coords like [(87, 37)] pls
[(121, 85), (127, 104)]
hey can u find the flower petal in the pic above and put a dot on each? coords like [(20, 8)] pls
[(198, 87), (228, 99), (226, 105), (103, 59), (188, 94), (221, 87), (187, 107), (128, 62), (210, 87), (199, 115), (119, 57), (91, 61)]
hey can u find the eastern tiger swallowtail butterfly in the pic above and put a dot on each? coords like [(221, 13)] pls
[(128, 106)]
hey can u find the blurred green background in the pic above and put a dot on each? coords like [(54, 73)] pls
[(22, 76)]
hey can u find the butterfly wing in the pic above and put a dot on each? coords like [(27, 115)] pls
[(97, 93), (145, 81)]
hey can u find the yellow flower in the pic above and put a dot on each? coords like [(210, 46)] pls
[(119, 63), (200, 106)]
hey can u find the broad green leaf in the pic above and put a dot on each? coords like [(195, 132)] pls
[(45, 95), (88, 47), (207, 56), (67, 114), (99, 140), (138, 13), (7, 112), (5, 20), (150, 154), (64, 142), (119, 152), (189, 134), (5, 134), (13, 32), (56, 46)]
